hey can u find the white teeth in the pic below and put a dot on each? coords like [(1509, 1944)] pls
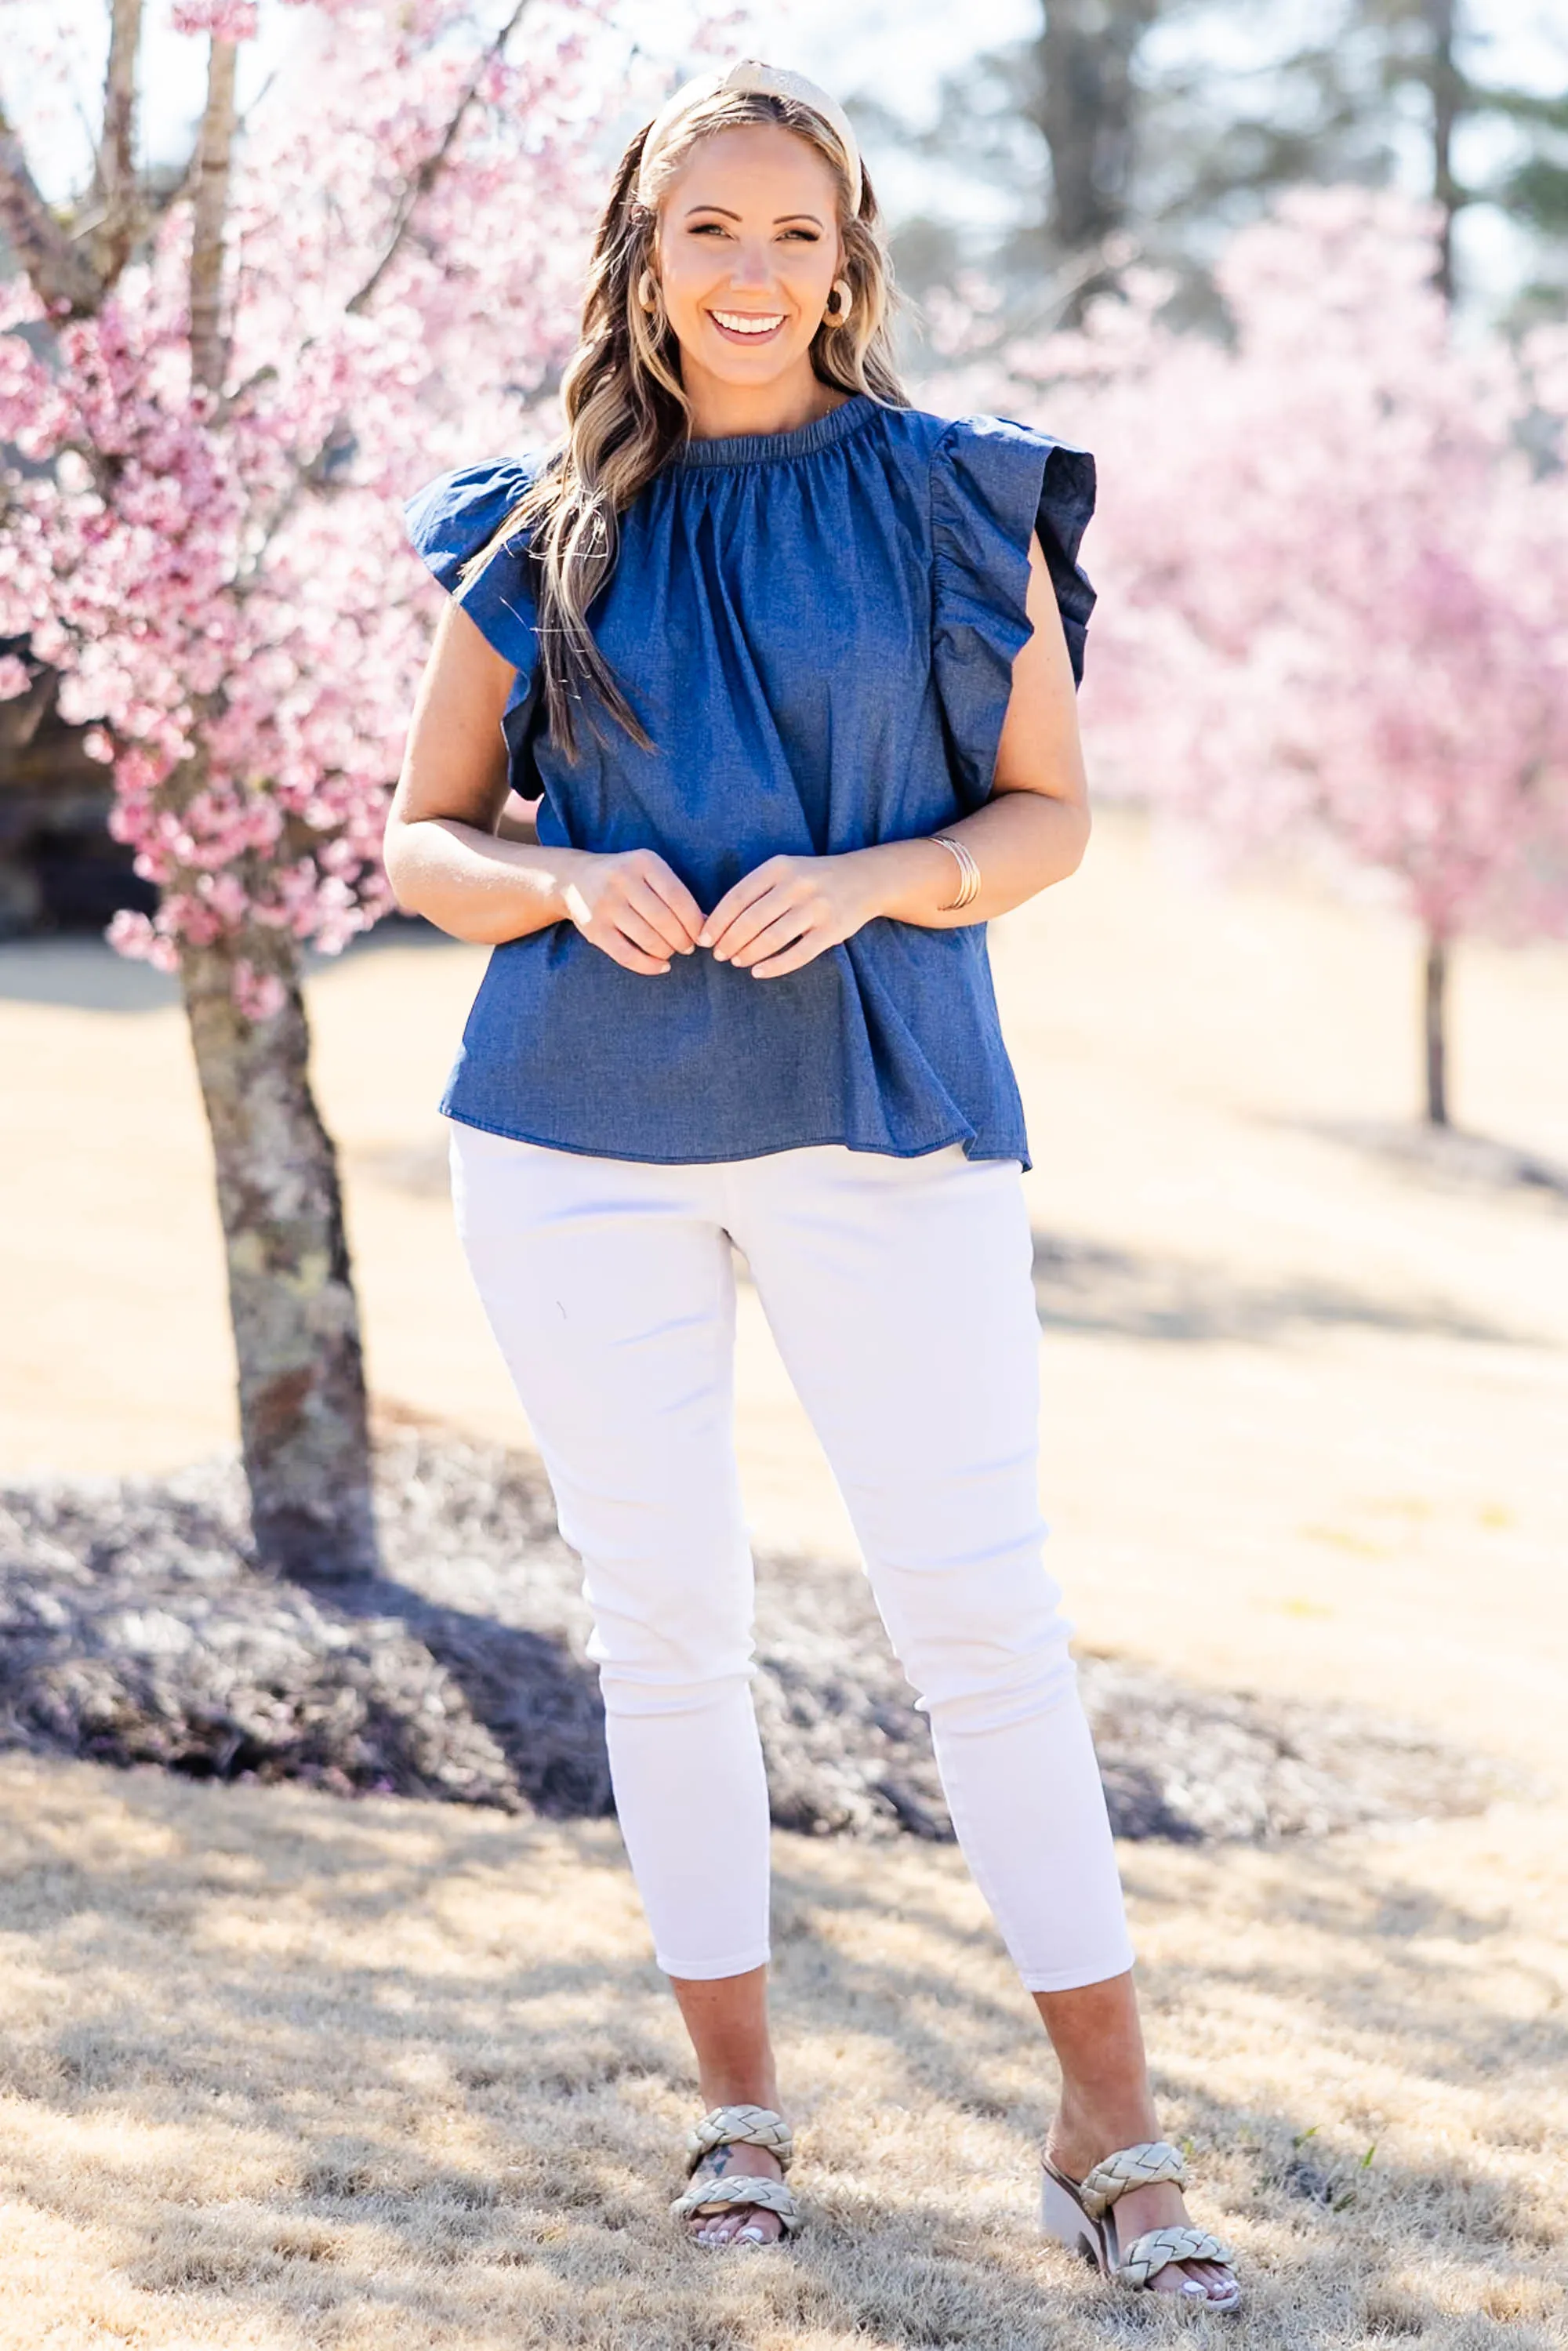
[(740, 323)]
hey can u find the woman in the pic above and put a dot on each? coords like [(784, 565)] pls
[(791, 665)]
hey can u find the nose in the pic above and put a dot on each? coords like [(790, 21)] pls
[(752, 268)]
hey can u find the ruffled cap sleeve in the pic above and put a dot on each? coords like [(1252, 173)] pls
[(450, 520), (993, 485)]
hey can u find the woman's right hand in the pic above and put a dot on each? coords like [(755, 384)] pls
[(631, 906)]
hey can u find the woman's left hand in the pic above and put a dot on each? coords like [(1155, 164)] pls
[(785, 913)]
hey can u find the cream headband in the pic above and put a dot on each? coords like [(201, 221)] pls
[(751, 78)]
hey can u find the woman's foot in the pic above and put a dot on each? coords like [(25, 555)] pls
[(1076, 2150), (748, 2223), (726, 2017), (1106, 2106)]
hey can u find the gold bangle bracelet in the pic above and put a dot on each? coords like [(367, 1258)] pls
[(969, 874)]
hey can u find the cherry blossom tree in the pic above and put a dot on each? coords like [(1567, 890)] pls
[(212, 403), (1334, 558)]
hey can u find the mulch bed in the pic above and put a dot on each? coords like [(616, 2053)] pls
[(134, 1630)]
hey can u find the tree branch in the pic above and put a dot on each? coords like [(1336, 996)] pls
[(214, 157), (430, 171), (61, 276), (114, 170)]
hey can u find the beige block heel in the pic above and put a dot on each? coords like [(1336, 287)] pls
[(1063, 2218)]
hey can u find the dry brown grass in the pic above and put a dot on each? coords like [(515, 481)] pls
[(285, 2071)]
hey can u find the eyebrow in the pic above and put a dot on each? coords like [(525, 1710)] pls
[(778, 217)]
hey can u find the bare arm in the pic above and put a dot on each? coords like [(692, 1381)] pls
[(450, 857), (1033, 831)]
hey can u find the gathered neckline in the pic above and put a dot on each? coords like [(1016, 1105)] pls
[(771, 448)]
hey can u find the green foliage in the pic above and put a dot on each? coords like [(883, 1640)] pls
[(1537, 192)]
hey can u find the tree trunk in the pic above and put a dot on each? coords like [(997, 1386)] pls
[(1447, 93), (209, 214), (304, 1427), (1435, 1029), (1447, 104), (303, 1420), (1086, 108), (114, 172)]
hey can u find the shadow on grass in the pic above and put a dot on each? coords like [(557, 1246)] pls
[(1085, 1286), (410, 2104), (1448, 1157), (539, 1703)]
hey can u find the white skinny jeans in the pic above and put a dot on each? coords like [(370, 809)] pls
[(899, 1293)]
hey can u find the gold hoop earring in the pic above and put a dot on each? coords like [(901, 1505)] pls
[(647, 292), (845, 295)]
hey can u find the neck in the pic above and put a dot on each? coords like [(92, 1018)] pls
[(719, 410)]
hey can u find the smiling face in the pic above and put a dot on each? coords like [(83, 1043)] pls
[(747, 253)]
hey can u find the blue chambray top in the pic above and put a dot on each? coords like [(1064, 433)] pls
[(817, 629)]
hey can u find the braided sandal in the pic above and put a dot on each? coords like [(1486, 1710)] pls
[(739, 2126), (1080, 2214)]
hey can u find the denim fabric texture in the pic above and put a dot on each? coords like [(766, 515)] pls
[(817, 629)]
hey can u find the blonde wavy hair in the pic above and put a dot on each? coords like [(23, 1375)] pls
[(626, 410)]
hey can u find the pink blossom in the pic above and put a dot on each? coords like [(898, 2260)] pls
[(221, 20), (223, 584), (1333, 581)]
